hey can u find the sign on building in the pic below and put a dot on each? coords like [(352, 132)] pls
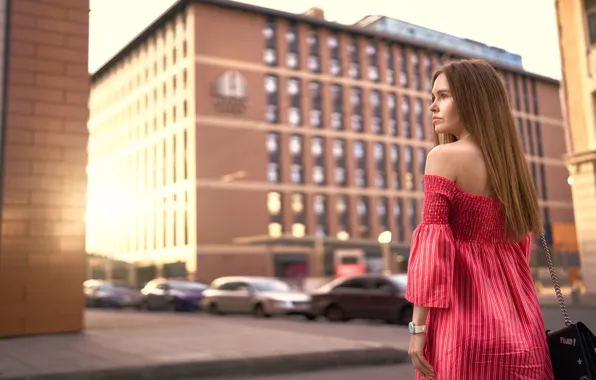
[(230, 92)]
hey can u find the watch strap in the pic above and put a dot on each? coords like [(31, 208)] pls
[(414, 329)]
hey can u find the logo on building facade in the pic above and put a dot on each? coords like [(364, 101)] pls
[(230, 92)]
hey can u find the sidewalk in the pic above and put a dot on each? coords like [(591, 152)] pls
[(123, 346)]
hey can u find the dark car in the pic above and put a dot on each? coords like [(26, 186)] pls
[(99, 293), (380, 297), (175, 295)]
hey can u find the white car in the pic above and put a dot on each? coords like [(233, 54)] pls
[(260, 296)]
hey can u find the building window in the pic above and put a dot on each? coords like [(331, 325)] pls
[(339, 153), (271, 88), (342, 208), (373, 61), (405, 108), (399, 219), (534, 96), (270, 33), (360, 156), (428, 67), (364, 217), (274, 167), (516, 93), (377, 112), (537, 125), (296, 169), (421, 165), (520, 129), (416, 68), (354, 56), (314, 63), (316, 110), (533, 171), (292, 57), (317, 146), (505, 78), (356, 117), (295, 111), (419, 119), (390, 64), (530, 134), (543, 181), (383, 213), (393, 114), (320, 209), (404, 77), (395, 166), (274, 205), (298, 227), (412, 213), (381, 164), (440, 56), (538, 130), (526, 94), (335, 56), (337, 121), (409, 168)]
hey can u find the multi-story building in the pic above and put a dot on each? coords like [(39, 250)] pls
[(577, 41), (238, 139)]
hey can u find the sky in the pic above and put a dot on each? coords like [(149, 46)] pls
[(525, 27)]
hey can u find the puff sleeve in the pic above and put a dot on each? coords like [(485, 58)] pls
[(432, 252)]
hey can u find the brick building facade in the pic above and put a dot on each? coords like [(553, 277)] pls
[(293, 139), (44, 139)]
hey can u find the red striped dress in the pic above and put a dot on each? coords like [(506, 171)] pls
[(484, 321)]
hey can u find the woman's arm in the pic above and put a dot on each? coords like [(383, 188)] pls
[(420, 314)]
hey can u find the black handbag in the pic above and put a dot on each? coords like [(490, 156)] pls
[(572, 348)]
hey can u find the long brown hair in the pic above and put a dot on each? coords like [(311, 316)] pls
[(484, 110)]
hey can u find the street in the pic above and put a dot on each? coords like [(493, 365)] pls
[(315, 333)]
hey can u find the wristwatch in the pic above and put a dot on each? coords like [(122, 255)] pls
[(416, 329)]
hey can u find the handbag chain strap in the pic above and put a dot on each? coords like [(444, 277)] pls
[(553, 276)]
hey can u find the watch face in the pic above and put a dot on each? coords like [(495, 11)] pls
[(411, 327)]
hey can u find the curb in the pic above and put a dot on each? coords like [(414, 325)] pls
[(234, 368)]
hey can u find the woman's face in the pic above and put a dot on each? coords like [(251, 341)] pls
[(444, 112)]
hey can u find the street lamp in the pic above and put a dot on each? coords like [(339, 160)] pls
[(384, 239)]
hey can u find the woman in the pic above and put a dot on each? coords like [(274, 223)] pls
[(476, 313)]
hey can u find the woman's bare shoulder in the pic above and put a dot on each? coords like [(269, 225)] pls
[(448, 160)]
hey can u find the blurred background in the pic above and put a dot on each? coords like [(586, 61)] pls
[(264, 157)]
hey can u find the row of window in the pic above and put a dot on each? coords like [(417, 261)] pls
[(163, 223), (364, 208), (355, 68), (386, 159), (407, 67), (400, 109), (162, 50)]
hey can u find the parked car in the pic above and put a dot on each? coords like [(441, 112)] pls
[(100, 293), (174, 295), (380, 297), (260, 296)]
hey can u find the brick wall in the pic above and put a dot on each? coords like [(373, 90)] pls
[(42, 258)]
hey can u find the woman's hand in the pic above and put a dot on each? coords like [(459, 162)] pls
[(416, 352)]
